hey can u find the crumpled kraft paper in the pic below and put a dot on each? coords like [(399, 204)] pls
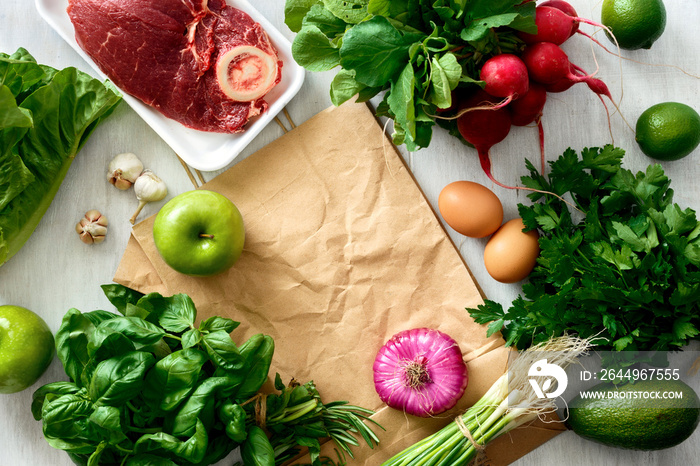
[(342, 251)]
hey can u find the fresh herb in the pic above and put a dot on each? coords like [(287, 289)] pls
[(298, 418), (418, 51), (46, 115), (628, 271), (148, 386)]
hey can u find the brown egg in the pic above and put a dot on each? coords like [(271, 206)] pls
[(470, 208), (510, 255)]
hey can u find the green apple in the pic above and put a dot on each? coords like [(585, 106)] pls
[(26, 348), (199, 233)]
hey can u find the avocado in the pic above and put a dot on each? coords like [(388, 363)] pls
[(622, 416)]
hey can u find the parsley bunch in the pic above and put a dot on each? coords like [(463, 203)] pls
[(624, 265)]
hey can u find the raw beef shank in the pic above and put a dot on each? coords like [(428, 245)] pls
[(202, 63)]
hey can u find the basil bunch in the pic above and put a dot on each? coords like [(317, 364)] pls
[(148, 387)]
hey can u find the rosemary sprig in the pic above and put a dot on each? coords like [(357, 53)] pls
[(297, 418)]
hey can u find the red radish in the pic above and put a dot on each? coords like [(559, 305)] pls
[(559, 21), (553, 25), (528, 109), (560, 86), (594, 84), (566, 8), (505, 75), (547, 63), (569, 10), (564, 83), (601, 89), (484, 128), (479, 124)]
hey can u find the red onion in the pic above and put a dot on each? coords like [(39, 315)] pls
[(420, 371)]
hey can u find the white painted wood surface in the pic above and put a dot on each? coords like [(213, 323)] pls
[(55, 271)]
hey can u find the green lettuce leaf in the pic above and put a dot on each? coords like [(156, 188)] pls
[(51, 116)]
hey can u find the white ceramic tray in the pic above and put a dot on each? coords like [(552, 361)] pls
[(201, 150)]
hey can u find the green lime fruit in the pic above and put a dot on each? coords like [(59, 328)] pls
[(26, 348), (199, 233), (668, 131), (636, 24)]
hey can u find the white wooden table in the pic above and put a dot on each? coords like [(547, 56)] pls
[(55, 271)]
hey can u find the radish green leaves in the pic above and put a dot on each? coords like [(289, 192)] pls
[(418, 51)]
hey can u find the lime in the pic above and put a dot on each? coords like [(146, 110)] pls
[(636, 24), (668, 131)]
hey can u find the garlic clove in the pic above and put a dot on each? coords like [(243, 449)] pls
[(148, 188), (123, 170), (92, 228)]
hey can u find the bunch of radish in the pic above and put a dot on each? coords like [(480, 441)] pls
[(516, 86)]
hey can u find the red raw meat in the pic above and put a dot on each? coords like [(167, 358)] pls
[(165, 53)]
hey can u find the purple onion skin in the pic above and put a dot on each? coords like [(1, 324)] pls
[(421, 372)]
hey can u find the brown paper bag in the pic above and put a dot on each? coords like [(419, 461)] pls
[(342, 251)]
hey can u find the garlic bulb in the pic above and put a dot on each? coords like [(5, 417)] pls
[(148, 188), (92, 228), (123, 170)]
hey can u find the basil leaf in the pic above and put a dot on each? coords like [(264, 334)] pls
[(149, 460), (94, 459), (72, 343), (97, 317), (179, 315), (193, 449), (191, 338), (139, 331), (134, 310), (257, 353), (176, 313), (257, 449), (200, 404), (108, 343), (67, 418), (215, 323), (222, 351), (55, 389), (119, 379), (107, 421), (120, 296), (173, 378), (234, 417)]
